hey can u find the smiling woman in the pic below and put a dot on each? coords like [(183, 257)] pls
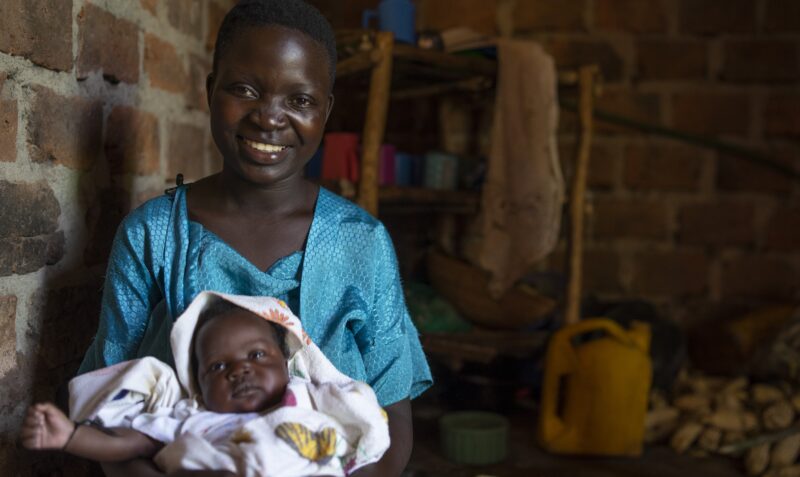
[(269, 102), (259, 228)]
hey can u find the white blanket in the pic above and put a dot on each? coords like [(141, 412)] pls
[(328, 424)]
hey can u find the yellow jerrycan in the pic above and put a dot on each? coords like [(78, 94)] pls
[(596, 385)]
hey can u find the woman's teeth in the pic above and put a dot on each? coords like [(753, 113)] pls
[(260, 146)]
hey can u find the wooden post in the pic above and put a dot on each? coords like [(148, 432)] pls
[(375, 123), (586, 76)]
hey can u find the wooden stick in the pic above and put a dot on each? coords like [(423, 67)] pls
[(743, 445), (586, 75), (470, 85), (358, 62), (375, 123)]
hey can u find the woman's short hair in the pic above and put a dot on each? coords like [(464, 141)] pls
[(294, 14)]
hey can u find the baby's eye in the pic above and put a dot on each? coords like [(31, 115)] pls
[(217, 367), (258, 354), (302, 101), (244, 91)]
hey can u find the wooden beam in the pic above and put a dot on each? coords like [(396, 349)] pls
[(586, 77), (375, 123)]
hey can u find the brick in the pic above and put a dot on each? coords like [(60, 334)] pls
[(480, 15), (717, 16), (132, 141), (761, 60), (782, 116), (8, 334), (632, 218), (21, 255), (186, 16), (215, 15), (782, 16), (711, 113), (630, 15), (643, 107), (672, 59), (550, 15), (195, 95), (663, 167), (163, 65), (738, 174), (103, 216), (719, 224), (758, 277), (601, 271), (65, 130), (783, 229), (150, 5), (603, 164), (108, 44), (40, 30), (8, 129), (35, 212), (676, 273), (186, 152), (68, 323), (575, 53)]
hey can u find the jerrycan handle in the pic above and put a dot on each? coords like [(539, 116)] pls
[(561, 361)]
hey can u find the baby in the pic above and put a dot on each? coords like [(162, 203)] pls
[(262, 400)]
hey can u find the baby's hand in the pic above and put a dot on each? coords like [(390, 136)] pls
[(46, 427)]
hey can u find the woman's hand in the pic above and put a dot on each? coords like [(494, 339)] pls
[(46, 427)]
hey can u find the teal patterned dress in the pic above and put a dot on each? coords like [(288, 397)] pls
[(344, 286)]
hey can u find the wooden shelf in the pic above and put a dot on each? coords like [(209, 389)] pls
[(399, 199), (396, 199)]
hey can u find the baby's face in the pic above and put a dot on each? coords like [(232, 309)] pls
[(269, 99), (240, 366)]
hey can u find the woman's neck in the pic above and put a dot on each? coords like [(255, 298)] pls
[(238, 196)]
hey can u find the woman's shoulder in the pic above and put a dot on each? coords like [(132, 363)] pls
[(336, 207), (153, 213)]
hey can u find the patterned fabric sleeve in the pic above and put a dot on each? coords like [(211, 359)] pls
[(130, 291), (395, 365)]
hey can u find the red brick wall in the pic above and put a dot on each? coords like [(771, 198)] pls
[(101, 104), (691, 229)]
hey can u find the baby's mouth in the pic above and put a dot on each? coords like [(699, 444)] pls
[(244, 389)]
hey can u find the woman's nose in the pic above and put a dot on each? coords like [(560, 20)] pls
[(270, 115)]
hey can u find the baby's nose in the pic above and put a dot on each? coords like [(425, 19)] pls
[(238, 369)]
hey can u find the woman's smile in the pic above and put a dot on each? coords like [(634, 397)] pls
[(262, 152)]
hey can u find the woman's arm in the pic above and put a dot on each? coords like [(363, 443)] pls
[(401, 433)]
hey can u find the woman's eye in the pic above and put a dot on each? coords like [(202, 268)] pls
[(258, 354), (244, 91), (217, 367)]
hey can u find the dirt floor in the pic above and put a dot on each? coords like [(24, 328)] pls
[(526, 459)]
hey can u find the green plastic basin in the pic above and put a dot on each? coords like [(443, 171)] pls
[(474, 437)]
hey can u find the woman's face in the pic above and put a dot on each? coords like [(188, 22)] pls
[(269, 100)]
